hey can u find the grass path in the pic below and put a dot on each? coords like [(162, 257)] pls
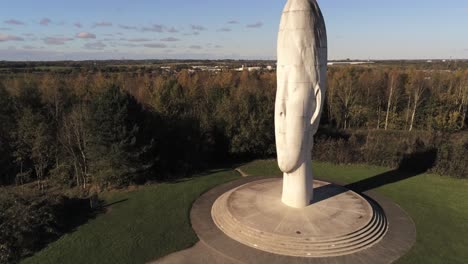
[(153, 221)]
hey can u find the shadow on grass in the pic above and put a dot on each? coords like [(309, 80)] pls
[(410, 166), (77, 212), (65, 215)]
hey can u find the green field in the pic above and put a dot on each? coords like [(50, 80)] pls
[(139, 226), (152, 221)]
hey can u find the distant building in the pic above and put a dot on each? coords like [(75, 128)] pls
[(240, 69), (251, 69), (349, 62), (254, 69), (207, 68)]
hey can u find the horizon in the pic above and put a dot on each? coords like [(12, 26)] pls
[(239, 60), (214, 30)]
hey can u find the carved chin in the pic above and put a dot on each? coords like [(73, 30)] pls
[(285, 167), (286, 164)]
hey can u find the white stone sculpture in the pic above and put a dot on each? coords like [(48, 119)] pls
[(301, 74)]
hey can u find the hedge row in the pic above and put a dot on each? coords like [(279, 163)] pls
[(445, 154)]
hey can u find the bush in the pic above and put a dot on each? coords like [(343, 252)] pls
[(29, 221), (410, 151), (452, 160)]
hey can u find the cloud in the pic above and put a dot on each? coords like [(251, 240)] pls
[(5, 37), (56, 40), (103, 24), (197, 27), (170, 39), (53, 55), (128, 45), (218, 47), (28, 34), (256, 25), (85, 35), (196, 47), (29, 47), (225, 30), (155, 45), (154, 28), (78, 25), (172, 30), (13, 22), (127, 27), (95, 46), (138, 40), (195, 33), (5, 28), (45, 21), (233, 22)]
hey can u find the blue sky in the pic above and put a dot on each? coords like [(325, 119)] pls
[(209, 29)]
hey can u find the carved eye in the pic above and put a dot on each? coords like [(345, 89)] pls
[(281, 114)]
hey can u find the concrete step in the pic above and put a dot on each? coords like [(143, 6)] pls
[(347, 242)]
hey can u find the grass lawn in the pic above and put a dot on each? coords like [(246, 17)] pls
[(154, 220), (141, 226), (438, 206)]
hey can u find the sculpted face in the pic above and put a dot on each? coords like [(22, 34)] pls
[(301, 74)]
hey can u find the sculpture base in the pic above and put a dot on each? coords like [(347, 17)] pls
[(338, 222)]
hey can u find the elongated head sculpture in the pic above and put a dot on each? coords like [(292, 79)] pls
[(301, 74)]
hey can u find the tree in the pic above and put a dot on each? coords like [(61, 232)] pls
[(247, 117), (6, 126), (112, 130), (344, 90), (56, 101), (74, 139), (29, 97), (417, 87), (391, 91), (462, 96), (33, 148)]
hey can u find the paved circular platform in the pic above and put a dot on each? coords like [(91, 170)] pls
[(339, 222), (394, 242)]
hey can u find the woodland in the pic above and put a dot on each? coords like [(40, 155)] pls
[(67, 136)]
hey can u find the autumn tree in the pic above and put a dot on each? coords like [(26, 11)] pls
[(462, 98), (74, 137), (33, 149), (343, 90), (417, 86)]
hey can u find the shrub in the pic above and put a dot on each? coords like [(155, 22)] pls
[(30, 220), (452, 159), (414, 151)]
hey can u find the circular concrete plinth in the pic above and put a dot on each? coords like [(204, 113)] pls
[(339, 221), (399, 238)]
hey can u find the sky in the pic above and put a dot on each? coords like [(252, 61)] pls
[(241, 29)]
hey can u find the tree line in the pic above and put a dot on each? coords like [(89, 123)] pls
[(91, 131), (107, 129), (395, 99)]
